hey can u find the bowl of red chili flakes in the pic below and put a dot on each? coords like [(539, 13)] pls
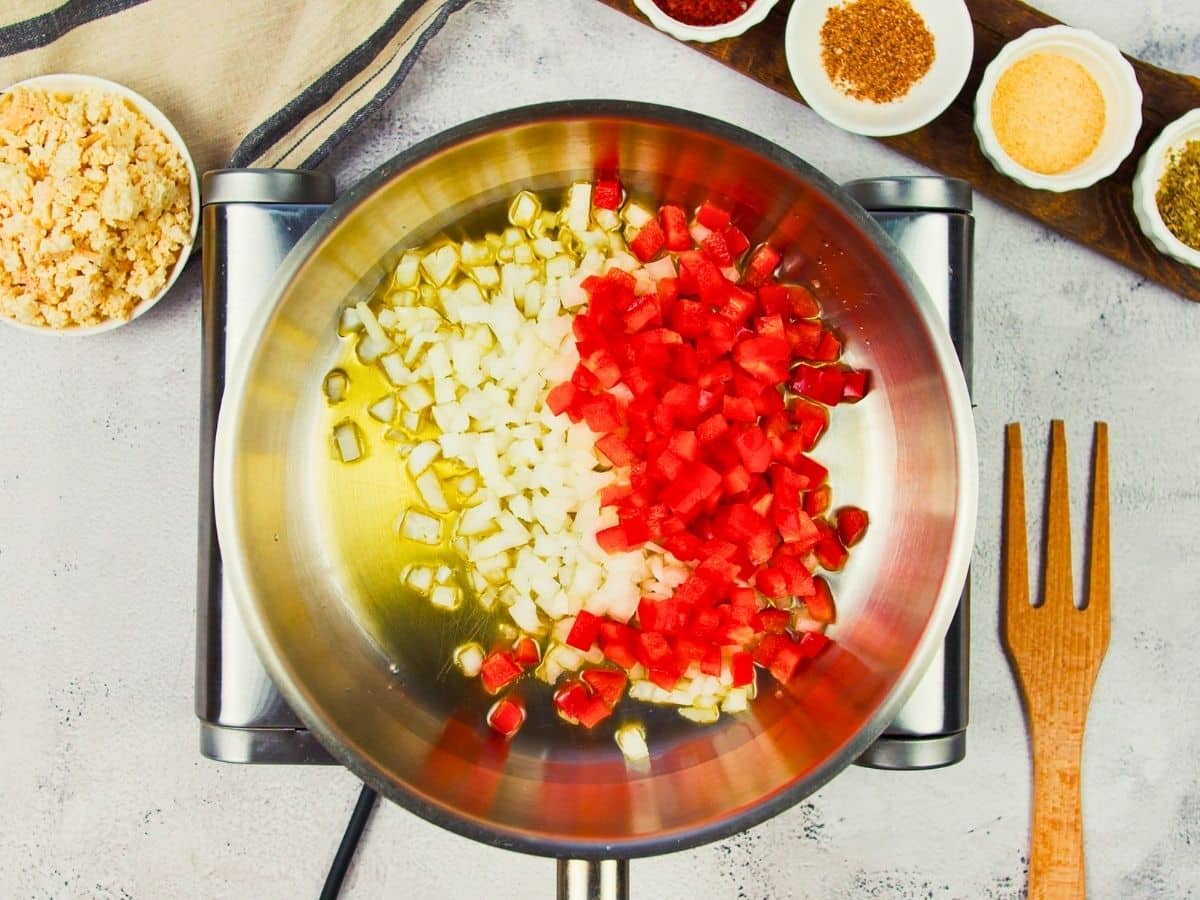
[(704, 20)]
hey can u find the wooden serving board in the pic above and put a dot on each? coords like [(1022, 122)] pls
[(1100, 217)]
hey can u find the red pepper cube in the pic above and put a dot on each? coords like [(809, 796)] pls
[(648, 242), (808, 468), (829, 349), (816, 501), (829, 550), (761, 265), (855, 385), (712, 216), (667, 465), (804, 338), (710, 663), (851, 525), (595, 712), (683, 545), (715, 248), (796, 528), (607, 193), (812, 643), (771, 582), (769, 647), (644, 311), (711, 429), (584, 631), (666, 679), (798, 579), (602, 414), (753, 448), (499, 670), (684, 444), (697, 483), (741, 667), (736, 240), (560, 397), (788, 658), (822, 383), (675, 227), (526, 652), (772, 298), (615, 450), (811, 420), (769, 400), (763, 358), (802, 302), (621, 538), (820, 605), (738, 307), (689, 651), (735, 481), (506, 716), (607, 684), (656, 649), (774, 621), (571, 700), (604, 366)]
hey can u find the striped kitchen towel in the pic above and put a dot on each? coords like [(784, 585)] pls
[(246, 82)]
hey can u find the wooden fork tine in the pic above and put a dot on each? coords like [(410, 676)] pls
[(1016, 551), (1098, 551), (1058, 590)]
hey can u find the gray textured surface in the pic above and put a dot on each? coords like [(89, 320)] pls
[(104, 794)]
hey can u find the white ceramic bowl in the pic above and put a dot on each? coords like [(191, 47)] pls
[(953, 44), (70, 83), (1122, 105), (755, 13), (1145, 187)]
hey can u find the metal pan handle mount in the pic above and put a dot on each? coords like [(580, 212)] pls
[(593, 879)]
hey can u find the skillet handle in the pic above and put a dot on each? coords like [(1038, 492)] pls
[(593, 879)]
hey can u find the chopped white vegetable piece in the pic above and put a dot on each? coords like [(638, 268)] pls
[(407, 271), (469, 659), (420, 527), (608, 219), (440, 264), (524, 209), (348, 439), (371, 324), (416, 397), (636, 214), (579, 205), (429, 486), (420, 578), (383, 409), (350, 321), (422, 457), (445, 596), (336, 385), (631, 738), (700, 715)]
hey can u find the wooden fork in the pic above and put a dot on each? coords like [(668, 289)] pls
[(1056, 651)]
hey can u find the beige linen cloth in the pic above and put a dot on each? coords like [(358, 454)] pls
[(246, 82)]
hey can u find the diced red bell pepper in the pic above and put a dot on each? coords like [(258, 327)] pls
[(798, 579), (684, 444), (812, 643), (761, 265), (851, 525), (823, 383), (710, 663), (683, 545), (735, 481), (808, 468), (608, 684), (736, 240), (804, 338), (688, 651), (602, 414), (584, 631), (763, 358), (526, 652), (712, 216), (739, 409), (716, 249), (560, 397), (693, 487), (741, 667), (666, 679), (507, 716), (753, 448), (774, 621), (802, 302), (816, 500), (657, 650), (595, 712), (572, 700), (772, 298), (855, 384), (499, 670), (644, 311), (829, 550), (675, 227), (787, 659), (771, 582), (606, 194), (739, 306), (810, 418), (768, 648), (615, 449), (617, 643), (604, 366), (621, 538), (829, 349), (711, 429), (820, 605)]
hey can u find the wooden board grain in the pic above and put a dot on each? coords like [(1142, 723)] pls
[(1099, 217)]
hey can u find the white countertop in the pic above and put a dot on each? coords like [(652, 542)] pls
[(105, 795)]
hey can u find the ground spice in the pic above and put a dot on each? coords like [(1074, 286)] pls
[(703, 12), (875, 49), (1048, 113), (1178, 195)]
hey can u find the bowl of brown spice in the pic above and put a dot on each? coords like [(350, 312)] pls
[(879, 67), (1058, 109), (1166, 190)]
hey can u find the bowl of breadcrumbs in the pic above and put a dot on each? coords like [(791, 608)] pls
[(98, 205)]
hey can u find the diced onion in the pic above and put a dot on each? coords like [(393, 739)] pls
[(348, 439), (469, 659), (631, 738)]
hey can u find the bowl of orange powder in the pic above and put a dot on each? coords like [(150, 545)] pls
[(1058, 109)]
